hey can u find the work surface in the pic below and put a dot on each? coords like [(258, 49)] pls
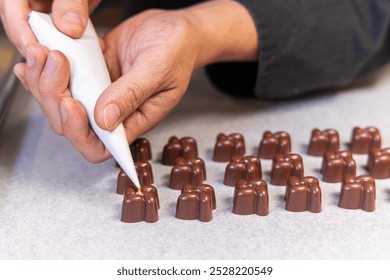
[(55, 205)]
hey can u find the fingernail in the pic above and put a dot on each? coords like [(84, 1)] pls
[(51, 64), (30, 57), (111, 114), (73, 19), (64, 111)]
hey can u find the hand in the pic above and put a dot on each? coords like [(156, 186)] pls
[(70, 17), (150, 58)]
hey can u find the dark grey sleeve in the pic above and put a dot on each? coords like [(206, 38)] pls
[(309, 45)]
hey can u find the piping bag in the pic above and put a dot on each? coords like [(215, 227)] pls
[(89, 77)]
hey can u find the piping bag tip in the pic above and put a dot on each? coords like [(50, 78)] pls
[(89, 78)]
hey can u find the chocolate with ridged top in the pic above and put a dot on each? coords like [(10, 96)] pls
[(379, 163), (184, 171), (285, 166), (363, 140), (145, 176), (323, 141), (274, 143), (251, 197), (139, 207), (247, 168), (196, 203), (141, 150), (358, 193), (228, 146), (185, 147), (335, 165), (303, 194)]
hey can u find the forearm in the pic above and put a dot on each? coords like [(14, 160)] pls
[(226, 32)]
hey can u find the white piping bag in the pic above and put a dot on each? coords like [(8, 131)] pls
[(89, 77)]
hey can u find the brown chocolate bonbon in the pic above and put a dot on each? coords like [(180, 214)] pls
[(335, 165), (358, 193), (196, 203), (285, 166), (363, 140), (185, 147), (251, 197), (145, 176), (122, 182), (379, 163), (228, 146), (184, 171), (303, 194), (323, 141), (247, 168), (139, 207), (141, 150), (274, 143)]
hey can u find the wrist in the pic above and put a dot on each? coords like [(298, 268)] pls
[(225, 32)]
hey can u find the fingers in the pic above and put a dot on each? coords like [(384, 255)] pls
[(14, 15), (53, 86), (46, 74), (36, 56), (71, 16), (76, 129), (151, 113), (19, 70), (125, 95)]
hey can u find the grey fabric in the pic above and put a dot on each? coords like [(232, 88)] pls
[(308, 45)]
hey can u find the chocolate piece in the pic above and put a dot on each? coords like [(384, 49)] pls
[(285, 166), (227, 147), (274, 143), (185, 147), (122, 182), (335, 165), (303, 195), (363, 140), (323, 141), (145, 177), (247, 168), (190, 171), (145, 173), (379, 163), (140, 207), (196, 203), (141, 150), (251, 197), (358, 193)]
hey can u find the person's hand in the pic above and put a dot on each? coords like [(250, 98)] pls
[(150, 58), (70, 17)]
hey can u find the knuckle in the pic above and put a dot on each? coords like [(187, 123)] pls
[(174, 24), (134, 97), (43, 89)]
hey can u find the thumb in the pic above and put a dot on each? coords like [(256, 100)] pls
[(71, 16), (124, 96)]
